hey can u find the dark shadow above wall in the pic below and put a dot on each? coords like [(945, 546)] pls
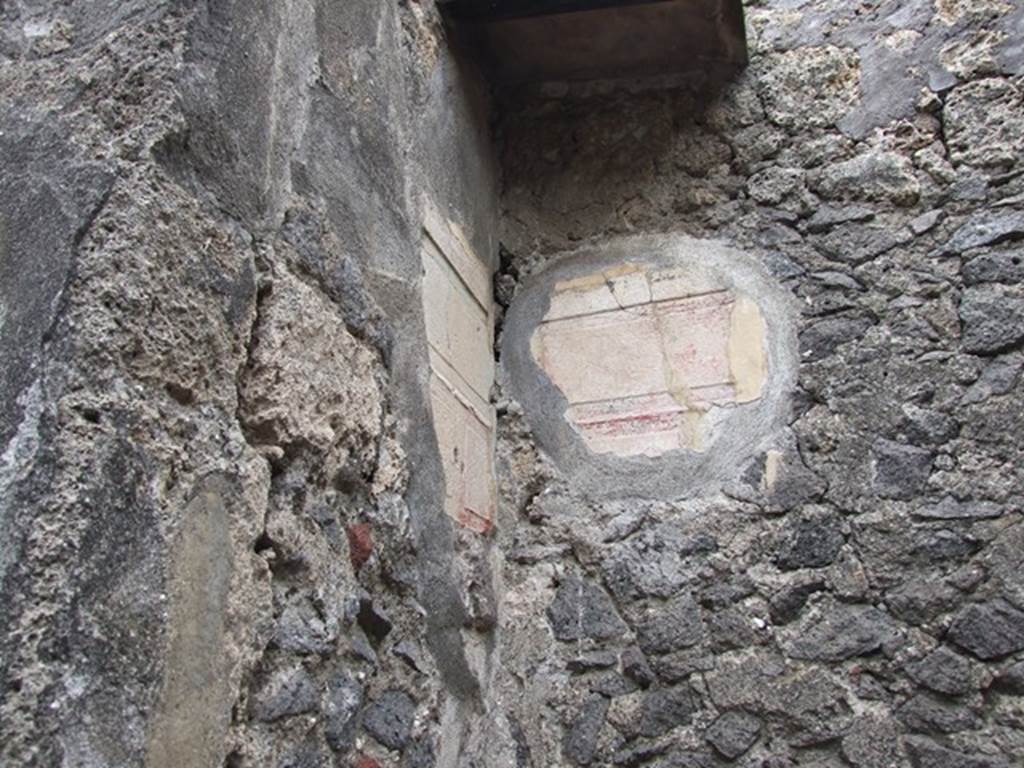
[(523, 42)]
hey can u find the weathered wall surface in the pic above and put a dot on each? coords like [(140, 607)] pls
[(222, 536), (213, 351), (862, 604)]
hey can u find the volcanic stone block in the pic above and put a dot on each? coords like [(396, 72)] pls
[(664, 709), (900, 471), (811, 541), (581, 609), (926, 712), (733, 733), (989, 630), (992, 319), (1000, 267), (288, 692), (670, 626), (1011, 680), (580, 740), (654, 562), (926, 753), (838, 631), (389, 719), (344, 699), (873, 742), (951, 509), (987, 227)]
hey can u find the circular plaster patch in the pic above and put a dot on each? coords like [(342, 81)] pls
[(651, 366)]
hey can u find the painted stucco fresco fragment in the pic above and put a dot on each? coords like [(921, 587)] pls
[(644, 357), (457, 310)]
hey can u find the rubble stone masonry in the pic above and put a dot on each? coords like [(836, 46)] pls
[(231, 530)]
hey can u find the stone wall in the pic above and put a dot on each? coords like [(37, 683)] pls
[(856, 598), (215, 370), (223, 537)]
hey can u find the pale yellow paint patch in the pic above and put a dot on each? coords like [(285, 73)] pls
[(747, 361), (772, 468), (596, 280)]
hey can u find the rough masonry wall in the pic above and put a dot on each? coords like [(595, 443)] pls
[(863, 605), (213, 352)]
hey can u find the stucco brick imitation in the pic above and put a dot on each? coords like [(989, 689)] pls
[(457, 308)]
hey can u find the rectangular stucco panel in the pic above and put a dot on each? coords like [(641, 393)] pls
[(459, 320)]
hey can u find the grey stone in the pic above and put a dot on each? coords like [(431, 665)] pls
[(787, 604), (839, 631), (654, 562), (993, 320), (341, 711), (998, 267), (951, 509), (729, 629), (612, 685), (665, 709), (636, 668), (670, 626), (944, 546), (999, 377), (580, 741), (792, 486), (924, 426), (720, 594), (786, 85), (926, 753), (984, 124), (857, 244), (591, 660), (824, 337), (925, 712), (873, 742), (920, 602), (639, 753), (420, 754), (874, 175), (984, 228), (828, 216), (411, 653), (926, 222), (389, 718), (900, 471), (733, 733), (581, 609), (1011, 680), (287, 692), (813, 706), (811, 540), (301, 629), (773, 185), (831, 278), (677, 666), (781, 266), (989, 630), (306, 756)]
